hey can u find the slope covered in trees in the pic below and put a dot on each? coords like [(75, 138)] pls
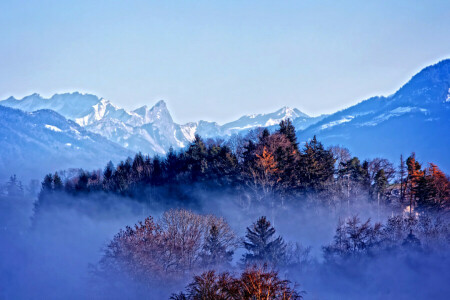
[(263, 169)]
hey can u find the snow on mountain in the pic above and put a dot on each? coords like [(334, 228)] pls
[(415, 118), (147, 129), (263, 120), (70, 105), (56, 143)]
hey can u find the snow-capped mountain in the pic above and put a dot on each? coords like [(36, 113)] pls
[(51, 140), (415, 118), (147, 129)]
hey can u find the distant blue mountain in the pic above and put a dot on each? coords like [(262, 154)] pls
[(415, 118), (33, 144)]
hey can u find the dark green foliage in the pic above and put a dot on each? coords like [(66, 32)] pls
[(269, 170), (261, 245), (288, 130), (381, 183), (316, 166)]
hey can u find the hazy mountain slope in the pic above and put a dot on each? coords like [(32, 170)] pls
[(415, 118), (32, 144)]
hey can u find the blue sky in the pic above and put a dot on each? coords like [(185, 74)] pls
[(217, 60)]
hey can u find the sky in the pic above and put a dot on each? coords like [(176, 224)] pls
[(218, 60)]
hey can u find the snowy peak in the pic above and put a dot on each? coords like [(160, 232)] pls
[(147, 129), (54, 141), (291, 113), (158, 113), (263, 120), (71, 105)]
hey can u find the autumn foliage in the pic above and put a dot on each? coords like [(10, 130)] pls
[(174, 246), (255, 283)]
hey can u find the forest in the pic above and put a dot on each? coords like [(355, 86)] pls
[(263, 168), (260, 216)]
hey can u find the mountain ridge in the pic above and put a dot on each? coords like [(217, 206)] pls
[(148, 129), (400, 119)]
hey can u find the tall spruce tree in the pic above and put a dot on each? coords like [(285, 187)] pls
[(262, 246), (316, 166), (288, 129), (57, 182)]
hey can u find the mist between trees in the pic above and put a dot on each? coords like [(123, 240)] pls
[(299, 221)]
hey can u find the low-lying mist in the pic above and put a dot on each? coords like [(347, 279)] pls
[(53, 254)]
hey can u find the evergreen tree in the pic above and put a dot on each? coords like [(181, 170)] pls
[(380, 184), (288, 130), (261, 244), (264, 136), (172, 165), (108, 174), (316, 166), (215, 254), (196, 159), (157, 172), (137, 168), (83, 181), (47, 184), (57, 182)]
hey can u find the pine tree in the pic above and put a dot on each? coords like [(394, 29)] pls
[(264, 136), (214, 253), (316, 166), (157, 172), (83, 182), (380, 184), (47, 184), (57, 182), (288, 130), (108, 174), (137, 168), (196, 159), (261, 245)]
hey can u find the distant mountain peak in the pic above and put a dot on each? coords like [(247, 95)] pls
[(288, 112), (160, 103)]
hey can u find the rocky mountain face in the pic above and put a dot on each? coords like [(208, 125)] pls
[(147, 129), (415, 118), (33, 144)]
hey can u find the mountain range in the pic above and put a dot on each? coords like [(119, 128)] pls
[(415, 118), (147, 129), (35, 143)]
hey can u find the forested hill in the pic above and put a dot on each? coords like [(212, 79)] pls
[(267, 169)]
